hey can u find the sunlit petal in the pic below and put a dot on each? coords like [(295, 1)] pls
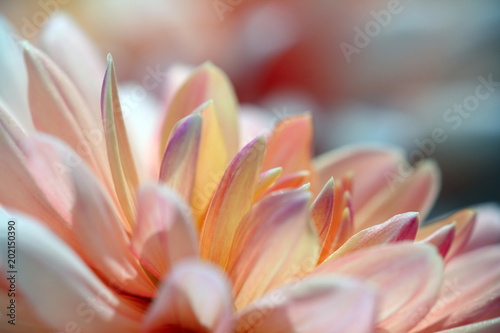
[(165, 231), (195, 297)]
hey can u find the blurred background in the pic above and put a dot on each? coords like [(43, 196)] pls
[(419, 74)]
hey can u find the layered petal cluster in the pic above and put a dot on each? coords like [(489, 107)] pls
[(174, 225)]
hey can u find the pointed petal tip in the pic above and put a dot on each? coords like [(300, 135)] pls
[(210, 66), (430, 166), (203, 106), (257, 143), (409, 222), (410, 218), (442, 238)]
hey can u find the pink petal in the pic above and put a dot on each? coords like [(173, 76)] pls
[(194, 297), (58, 109), (178, 168), (120, 157), (289, 150), (72, 295), (442, 239), (369, 164), (231, 201), (99, 229), (165, 232), (399, 228), (74, 52), (416, 192), (470, 291), (486, 229), (32, 188), (316, 304), (275, 242), (14, 82), (408, 277), (464, 221), (47, 160), (96, 227)]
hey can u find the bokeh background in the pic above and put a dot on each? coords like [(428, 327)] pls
[(394, 71)]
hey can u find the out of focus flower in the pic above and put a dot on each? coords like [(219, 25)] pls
[(172, 224), (413, 61)]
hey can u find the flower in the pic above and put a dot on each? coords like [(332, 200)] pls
[(179, 228)]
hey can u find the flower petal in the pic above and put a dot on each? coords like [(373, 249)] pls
[(14, 82), (415, 193), (399, 228), (407, 275), (275, 242), (141, 117), (213, 158), (341, 226), (194, 297), (120, 157), (231, 202), (290, 145), (316, 304), (205, 83), (290, 181), (31, 187), (66, 43), (486, 229), (178, 168), (30, 321), (464, 221), (95, 224), (165, 230), (442, 239), (486, 326), (322, 211), (59, 109), (99, 229), (266, 180), (367, 163), (78, 299), (470, 291)]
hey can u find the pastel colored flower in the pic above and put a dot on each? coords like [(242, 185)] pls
[(160, 220)]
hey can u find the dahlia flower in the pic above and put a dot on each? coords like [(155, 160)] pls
[(175, 225)]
